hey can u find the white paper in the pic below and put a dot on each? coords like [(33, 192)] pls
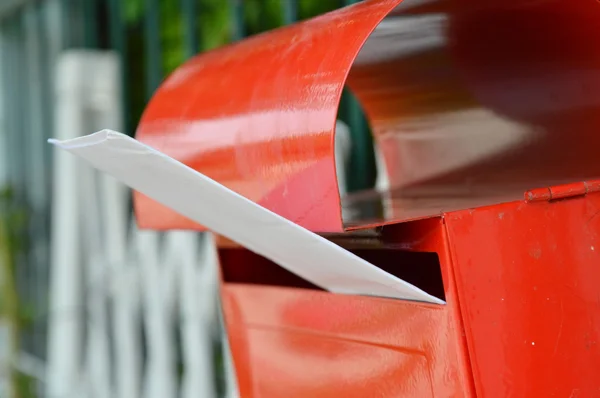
[(225, 212)]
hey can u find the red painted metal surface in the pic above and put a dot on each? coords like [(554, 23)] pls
[(306, 343), (470, 105), (315, 344), (522, 320), (528, 277), (258, 116), (504, 98)]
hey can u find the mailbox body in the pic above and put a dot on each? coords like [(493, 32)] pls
[(522, 316), (520, 278)]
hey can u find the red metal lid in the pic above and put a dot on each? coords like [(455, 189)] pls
[(469, 105)]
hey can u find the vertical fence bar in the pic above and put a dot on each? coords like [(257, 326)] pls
[(190, 27), (7, 92), (290, 11), (72, 23), (237, 18), (38, 173), (35, 144), (22, 162), (118, 42), (13, 113), (52, 19), (46, 39), (24, 158), (361, 167), (6, 332), (44, 74), (361, 157), (153, 47), (3, 115), (48, 18), (90, 11), (66, 323), (66, 36)]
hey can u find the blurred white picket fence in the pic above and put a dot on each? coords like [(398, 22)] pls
[(132, 313)]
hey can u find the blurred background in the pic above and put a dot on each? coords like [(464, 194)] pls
[(77, 320)]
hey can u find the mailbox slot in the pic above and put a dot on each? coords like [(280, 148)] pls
[(421, 269)]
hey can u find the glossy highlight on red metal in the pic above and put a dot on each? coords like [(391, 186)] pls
[(258, 116)]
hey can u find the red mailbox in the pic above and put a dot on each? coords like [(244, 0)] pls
[(472, 105)]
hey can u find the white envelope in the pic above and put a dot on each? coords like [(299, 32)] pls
[(225, 212)]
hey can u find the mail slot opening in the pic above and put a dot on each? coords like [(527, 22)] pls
[(418, 268)]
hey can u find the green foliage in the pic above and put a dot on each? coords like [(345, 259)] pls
[(14, 217), (312, 8), (262, 15), (171, 36), (215, 21), (13, 314), (13, 221), (26, 386)]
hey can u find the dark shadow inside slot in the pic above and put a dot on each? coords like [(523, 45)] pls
[(420, 269)]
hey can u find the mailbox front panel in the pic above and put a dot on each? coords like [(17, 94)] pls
[(302, 343), (528, 277)]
